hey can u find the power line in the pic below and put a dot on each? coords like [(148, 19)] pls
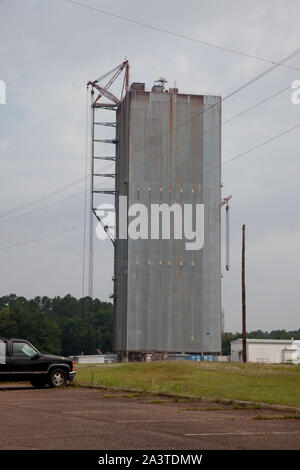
[(52, 193), (49, 205), (178, 35), (41, 208), (223, 123), (159, 267), (275, 137), (263, 74), (238, 156), (41, 238), (42, 198), (265, 100), (226, 97), (245, 111), (84, 191), (105, 168), (9, 234)]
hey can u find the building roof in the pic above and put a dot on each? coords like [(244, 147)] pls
[(268, 341)]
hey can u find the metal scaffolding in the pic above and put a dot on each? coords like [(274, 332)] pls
[(99, 92)]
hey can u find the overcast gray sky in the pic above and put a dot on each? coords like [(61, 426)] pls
[(49, 49)]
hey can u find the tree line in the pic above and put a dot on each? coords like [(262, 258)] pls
[(62, 325), (70, 326)]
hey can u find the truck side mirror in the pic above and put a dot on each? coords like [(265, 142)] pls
[(36, 356)]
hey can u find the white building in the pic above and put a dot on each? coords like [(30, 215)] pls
[(96, 359), (267, 350)]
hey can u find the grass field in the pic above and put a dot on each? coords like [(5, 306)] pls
[(260, 383)]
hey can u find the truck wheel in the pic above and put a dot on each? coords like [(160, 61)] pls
[(57, 378), (38, 383)]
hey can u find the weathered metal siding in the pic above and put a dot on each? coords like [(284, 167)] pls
[(173, 295), (121, 246), (212, 223)]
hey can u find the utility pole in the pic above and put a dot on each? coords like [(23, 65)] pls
[(244, 296)]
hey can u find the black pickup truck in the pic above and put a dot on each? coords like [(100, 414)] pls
[(21, 361)]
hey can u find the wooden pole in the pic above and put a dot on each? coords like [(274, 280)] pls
[(244, 297)]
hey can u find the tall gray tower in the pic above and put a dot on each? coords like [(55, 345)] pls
[(166, 298)]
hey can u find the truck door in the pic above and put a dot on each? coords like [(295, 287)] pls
[(26, 360)]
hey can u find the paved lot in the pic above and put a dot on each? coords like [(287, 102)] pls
[(82, 418)]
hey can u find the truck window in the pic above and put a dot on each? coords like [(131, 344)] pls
[(23, 349)]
